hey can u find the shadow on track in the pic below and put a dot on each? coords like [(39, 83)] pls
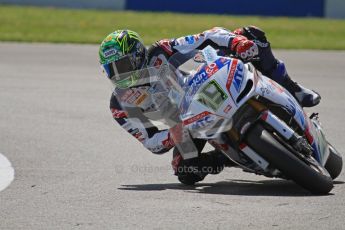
[(232, 187)]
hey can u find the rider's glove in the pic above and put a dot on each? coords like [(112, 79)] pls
[(244, 48), (252, 33)]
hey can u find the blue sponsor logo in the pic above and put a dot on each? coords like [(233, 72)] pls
[(202, 76), (203, 122), (238, 78), (221, 62), (190, 39), (198, 78)]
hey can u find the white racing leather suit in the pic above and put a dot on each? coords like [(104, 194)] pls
[(123, 100)]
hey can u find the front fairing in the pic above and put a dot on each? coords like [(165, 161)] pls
[(214, 94)]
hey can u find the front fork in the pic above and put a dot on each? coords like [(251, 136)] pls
[(296, 141), (293, 138)]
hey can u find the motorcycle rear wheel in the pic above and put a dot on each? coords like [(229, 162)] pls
[(314, 179)]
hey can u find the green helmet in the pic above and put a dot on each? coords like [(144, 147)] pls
[(121, 54)]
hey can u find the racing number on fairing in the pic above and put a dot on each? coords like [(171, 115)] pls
[(212, 96)]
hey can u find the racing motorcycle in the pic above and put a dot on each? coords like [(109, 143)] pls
[(250, 118)]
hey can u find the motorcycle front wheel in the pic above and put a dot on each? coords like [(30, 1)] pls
[(334, 162), (312, 177)]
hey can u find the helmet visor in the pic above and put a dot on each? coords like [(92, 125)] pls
[(119, 67), (120, 72)]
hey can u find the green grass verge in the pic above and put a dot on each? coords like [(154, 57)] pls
[(33, 24)]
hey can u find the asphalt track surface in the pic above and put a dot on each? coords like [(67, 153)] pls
[(76, 169)]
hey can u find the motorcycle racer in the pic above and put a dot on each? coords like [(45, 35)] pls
[(123, 51)]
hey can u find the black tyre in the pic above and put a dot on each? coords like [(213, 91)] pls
[(311, 177), (334, 162)]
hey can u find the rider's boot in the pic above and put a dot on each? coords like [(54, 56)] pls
[(194, 170), (305, 97)]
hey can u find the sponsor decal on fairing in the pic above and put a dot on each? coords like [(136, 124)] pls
[(238, 78), (203, 122), (227, 108), (196, 117), (233, 67)]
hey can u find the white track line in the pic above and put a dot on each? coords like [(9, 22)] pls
[(6, 172)]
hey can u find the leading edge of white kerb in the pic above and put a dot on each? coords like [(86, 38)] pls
[(6, 172)]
